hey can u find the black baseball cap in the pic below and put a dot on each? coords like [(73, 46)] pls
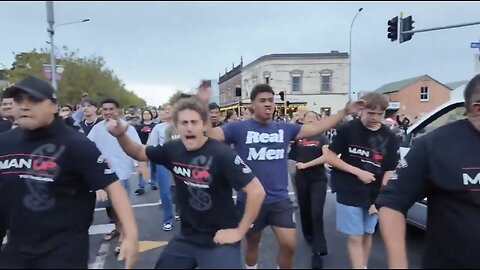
[(213, 106), (35, 87)]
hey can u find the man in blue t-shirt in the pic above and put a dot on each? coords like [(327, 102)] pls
[(263, 145)]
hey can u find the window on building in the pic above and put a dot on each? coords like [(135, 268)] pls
[(326, 80), (296, 83), (267, 80), (424, 93)]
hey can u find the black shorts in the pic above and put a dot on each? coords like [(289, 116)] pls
[(180, 253), (279, 214)]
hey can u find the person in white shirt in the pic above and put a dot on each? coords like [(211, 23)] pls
[(116, 158)]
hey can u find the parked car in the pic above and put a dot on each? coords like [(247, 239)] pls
[(448, 112)]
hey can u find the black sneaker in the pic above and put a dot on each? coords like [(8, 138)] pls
[(140, 191), (317, 261), (154, 187)]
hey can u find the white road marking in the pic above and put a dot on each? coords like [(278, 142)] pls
[(101, 256)]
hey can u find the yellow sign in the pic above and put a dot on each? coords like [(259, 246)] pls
[(149, 245)]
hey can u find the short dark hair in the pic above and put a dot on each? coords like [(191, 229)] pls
[(89, 101), (68, 106), (193, 104), (110, 100), (472, 89), (260, 88), (213, 106), (229, 114), (374, 100)]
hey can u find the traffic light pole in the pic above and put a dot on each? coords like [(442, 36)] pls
[(437, 28)]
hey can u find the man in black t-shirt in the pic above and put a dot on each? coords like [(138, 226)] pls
[(48, 175), (205, 171), (443, 166), (369, 155)]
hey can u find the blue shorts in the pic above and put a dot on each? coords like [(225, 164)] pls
[(352, 220), (108, 203)]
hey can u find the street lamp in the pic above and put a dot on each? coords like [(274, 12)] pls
[(51, 30), (350, 58)]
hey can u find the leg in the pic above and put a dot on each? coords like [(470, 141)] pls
[(219, 257), (355, 251), (287, 240), (163, 179), (254, 235), (141, 185), (350, 222), (318, 192), (281, 217), (178, 254), (370, 222), (304, 200), (251, 248), (153, 175)]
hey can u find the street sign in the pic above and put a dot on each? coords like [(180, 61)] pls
[(47, 71), (475, 45)]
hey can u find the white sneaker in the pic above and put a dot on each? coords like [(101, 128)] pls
[(167, 226)]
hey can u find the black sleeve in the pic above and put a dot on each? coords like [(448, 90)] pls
[(158, 154), (90, 163), (412, 182), (234, 169), (340, 141), (323, 140), (391, 160)]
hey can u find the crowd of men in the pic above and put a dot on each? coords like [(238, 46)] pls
[(55, 168)]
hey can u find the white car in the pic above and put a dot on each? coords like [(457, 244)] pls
[(450, 111)]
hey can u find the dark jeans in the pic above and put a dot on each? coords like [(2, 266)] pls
[(182, 254), (311, 192)]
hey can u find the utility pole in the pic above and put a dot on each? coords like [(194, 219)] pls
[(51, 31)]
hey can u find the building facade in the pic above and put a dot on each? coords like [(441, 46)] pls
[(319, 80), (416, 96), (227, 84)]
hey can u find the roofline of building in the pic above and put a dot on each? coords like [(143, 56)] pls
[(277, 56)]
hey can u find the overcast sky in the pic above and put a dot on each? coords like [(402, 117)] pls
[(157, 47)]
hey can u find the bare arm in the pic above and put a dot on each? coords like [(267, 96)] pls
[(386, 177), (332, 159), (321, 126), (255, 196), (124, 211), (136, 151), (314, 162), (393, 227), (216, 133)]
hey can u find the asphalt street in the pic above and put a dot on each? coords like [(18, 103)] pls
[(149, 221)]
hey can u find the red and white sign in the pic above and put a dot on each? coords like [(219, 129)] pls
[(47, 71)]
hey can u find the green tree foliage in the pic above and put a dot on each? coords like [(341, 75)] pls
[(81, 75)]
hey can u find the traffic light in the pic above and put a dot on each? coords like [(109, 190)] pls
[(393, 29), (406, 25), (282, 95)]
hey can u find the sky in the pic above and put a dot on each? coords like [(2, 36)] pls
[(158, 47)]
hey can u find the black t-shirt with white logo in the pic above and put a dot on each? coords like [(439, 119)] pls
[(47, 179), (443, 166), (204, 180), (144, 131), (86, 127), (372, 151), (309, 149)]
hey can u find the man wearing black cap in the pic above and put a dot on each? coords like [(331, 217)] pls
[(214, 114), (48, 173)]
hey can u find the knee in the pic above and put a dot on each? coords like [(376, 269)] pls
[(355, 239)]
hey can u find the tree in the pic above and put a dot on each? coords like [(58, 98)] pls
[(81, 75)]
